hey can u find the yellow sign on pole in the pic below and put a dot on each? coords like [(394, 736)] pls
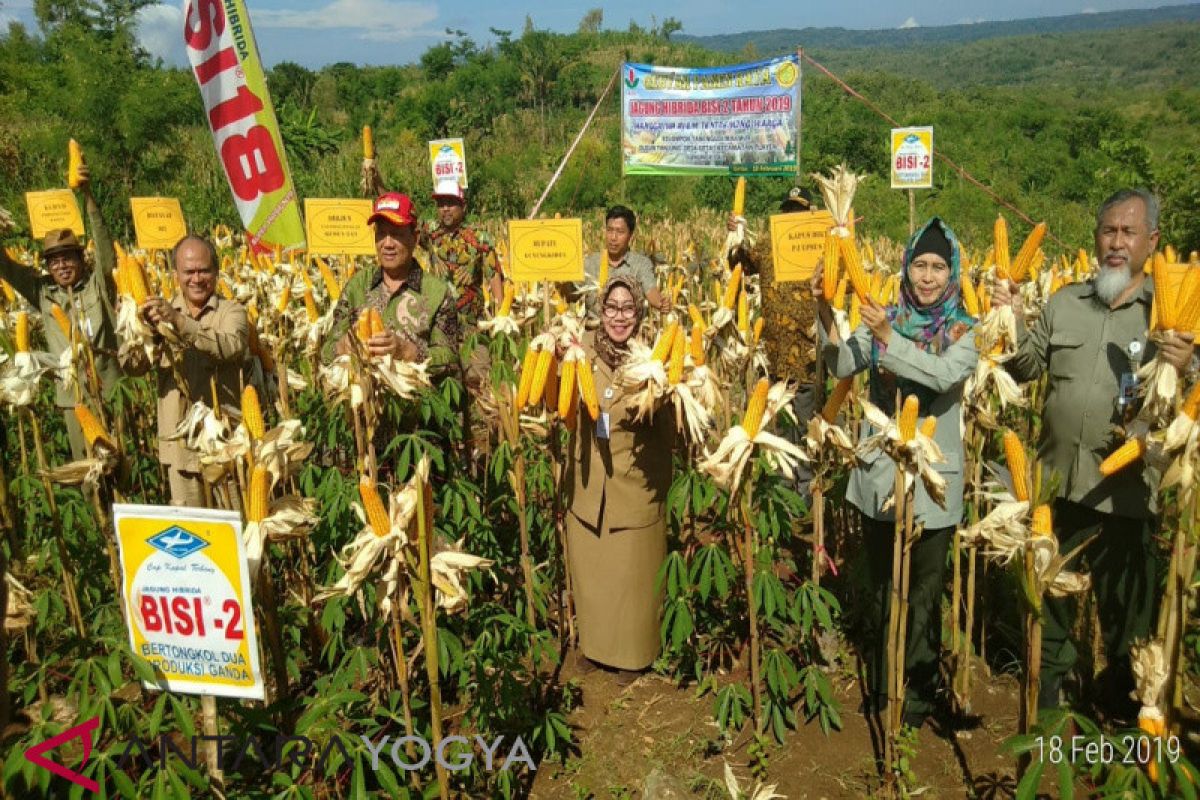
[(186, 589), (798, 242), (52, 210), (338, 227), (158, 222), (448, 159), (546, 249), (912, 158)]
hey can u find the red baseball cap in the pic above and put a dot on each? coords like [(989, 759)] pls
[(394, 207)]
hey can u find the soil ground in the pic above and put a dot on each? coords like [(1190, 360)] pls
[(654, 739)]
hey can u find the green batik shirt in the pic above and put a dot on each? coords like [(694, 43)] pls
[(464, 257), (421, 310), (1083, 347)]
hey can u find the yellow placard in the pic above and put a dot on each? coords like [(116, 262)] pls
[(186, 589), (158, 222), (912, 158), (546, 249), (338, 227), (52, 210), (798, 242), (448, 159)]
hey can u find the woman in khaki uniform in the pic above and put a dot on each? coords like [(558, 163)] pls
[(620, 471)]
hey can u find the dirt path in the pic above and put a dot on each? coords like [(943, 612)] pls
[(658, 737)]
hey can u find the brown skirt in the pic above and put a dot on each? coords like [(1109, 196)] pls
[(614, 577)]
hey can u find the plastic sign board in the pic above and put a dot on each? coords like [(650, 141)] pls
[(186, 589), (337, 227), (448, 159), (912, 158), (798, 243), (53, 210), (158, 222), (546, 249)]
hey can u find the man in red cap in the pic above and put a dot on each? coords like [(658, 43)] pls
[(467, 259), (86, 294), (417, 308)]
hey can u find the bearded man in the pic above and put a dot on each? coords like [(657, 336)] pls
[(1090, 340)]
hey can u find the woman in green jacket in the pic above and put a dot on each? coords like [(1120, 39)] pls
[(923, 345)]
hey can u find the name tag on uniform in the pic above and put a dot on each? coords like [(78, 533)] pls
[(1128, 390), (602, 429)]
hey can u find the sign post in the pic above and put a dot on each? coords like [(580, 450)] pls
[(912, 165), (546, 249)]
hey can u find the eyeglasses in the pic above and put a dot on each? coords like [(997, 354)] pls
[(628, 312)]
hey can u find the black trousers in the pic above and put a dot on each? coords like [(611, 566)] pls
[(1124, 567), (926, 583)]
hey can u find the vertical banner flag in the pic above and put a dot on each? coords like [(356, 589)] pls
[(736, 120), (225, 61), (448, 159), (912, 158), (185, 583)]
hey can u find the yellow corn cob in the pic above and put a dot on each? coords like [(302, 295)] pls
[(1057, 282), (507, 301), (368, 142), (1000, 245), (698, 346), (1018, 467), (676, 290), (758, 329), (1188, 300), (1170, 255), (743, 316), (119, 279), (566, 388), (1020, 266), (830, 266), (264, 355), (362, 327), (1042, 526), (675, 371), (252, 416), (285, 298), (260, 487), (697, 317), (377, 516), (60, 316), (662, 348), (908, 418), (572, 416), (855, 315), (602, 275), (739, 197), (310, 306), (93, 431), (929, 427), (553, 384), (838, 396), (1156, 727), (587, 388), (985, 299), (876, 283), (375, 320), (1191, 404), (756, 408), (331, 284), (10, 296), (1083, 264), (854, 269), (74, 162), (135, 280), (560, 305), (1126, 454), (970, 299), (22, 333), (731, 289), (528, 367), (540, 373), (1166, 313), (839, 294)]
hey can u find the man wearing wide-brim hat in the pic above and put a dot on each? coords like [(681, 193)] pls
[(86, 294)]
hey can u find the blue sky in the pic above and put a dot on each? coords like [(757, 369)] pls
[(318, 32)]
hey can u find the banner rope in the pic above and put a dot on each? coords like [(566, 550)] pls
[(850, 90), (571, 150)]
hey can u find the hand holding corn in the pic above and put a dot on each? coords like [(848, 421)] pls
[(875, 318), (391, 343), (157, 310), (1176, 349), (1006, 293)]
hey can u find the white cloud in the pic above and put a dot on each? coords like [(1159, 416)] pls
[(160, 31), (1088, 10), (378, 20), (911, 22)]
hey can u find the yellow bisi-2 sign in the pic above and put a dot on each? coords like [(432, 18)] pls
[(158, 222), (338, 227), (546, 249), (912, 158), (448, 159), (186, 589), (52, 210)]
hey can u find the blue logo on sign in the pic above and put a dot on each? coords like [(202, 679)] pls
[(177, 542)]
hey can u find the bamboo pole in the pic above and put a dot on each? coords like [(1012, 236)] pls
[(429, 630), (749, 542), (212, 752)]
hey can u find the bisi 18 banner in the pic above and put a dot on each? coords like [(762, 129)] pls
[(225, 61), (736, 120)]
